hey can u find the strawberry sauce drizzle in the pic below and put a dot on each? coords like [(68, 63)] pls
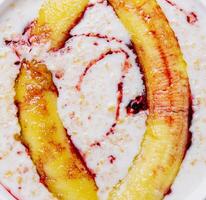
[(191, 17), (119, 101), (99, 36), (9, 191), (95, 61), (120, 85), (141, 103)]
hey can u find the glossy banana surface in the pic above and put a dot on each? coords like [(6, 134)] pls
[(168, 98)]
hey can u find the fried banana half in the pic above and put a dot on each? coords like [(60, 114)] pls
[(168, 97), (57, 161)]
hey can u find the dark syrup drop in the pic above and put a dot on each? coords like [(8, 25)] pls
[(136, 105), (192, 18), (112, 159)]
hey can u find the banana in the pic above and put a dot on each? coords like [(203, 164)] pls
[(58, 163), (56, 19), (168, 97)]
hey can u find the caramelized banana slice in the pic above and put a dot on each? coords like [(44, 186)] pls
[(56, 19), (168, 93), (59, 165)]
